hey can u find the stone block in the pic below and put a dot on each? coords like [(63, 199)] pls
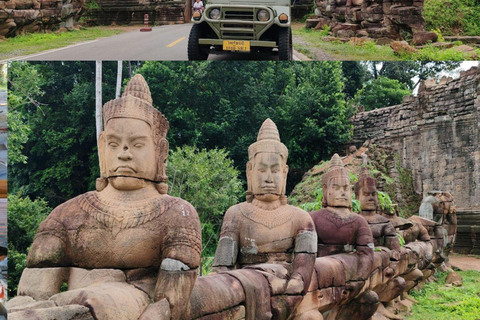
[(70, 312)]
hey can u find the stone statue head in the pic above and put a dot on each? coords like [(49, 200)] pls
[(366, 191), (133, 146), (267, 165), (337, 191)]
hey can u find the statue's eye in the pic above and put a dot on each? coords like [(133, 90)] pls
[(139, 145), (113, 144)]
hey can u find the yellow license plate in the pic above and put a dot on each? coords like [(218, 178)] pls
[(236, 45)]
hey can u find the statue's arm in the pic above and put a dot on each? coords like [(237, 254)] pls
[(175, 284), (47, 262), (227, 249), (364, 248), (391, 239), (303, 263), (181, 249)]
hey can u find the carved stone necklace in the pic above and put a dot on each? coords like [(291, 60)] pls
[(117, 215), (270, 215)]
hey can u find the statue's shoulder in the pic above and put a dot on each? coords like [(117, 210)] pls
[(71, 208), (178, 212)]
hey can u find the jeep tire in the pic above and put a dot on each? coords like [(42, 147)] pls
[(285, 50), (195, 50)]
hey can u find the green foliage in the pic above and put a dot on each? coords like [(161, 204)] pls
[(385, 201), (381, 92), (452, 17), (17, 261), (209, 182), (91, 4), (25, 83), (400, 239), (3, 77), (436, 301), (409, 201), (434, 53), (439, 35), (24, 217), (315, 205), (355, 74)]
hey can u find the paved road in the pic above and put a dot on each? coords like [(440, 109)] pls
[(162, 43)]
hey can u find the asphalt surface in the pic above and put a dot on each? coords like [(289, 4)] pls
[(162, 43)]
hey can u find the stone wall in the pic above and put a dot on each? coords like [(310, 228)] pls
[(133, 11), (379, 19), (18, 17), (437, 137)]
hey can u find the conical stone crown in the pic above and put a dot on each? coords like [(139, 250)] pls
[(138, 88), (268, 131), (268, 140)]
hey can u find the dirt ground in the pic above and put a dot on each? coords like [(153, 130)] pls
[(465, 262)]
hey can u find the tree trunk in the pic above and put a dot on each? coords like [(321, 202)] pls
[(119, 79)]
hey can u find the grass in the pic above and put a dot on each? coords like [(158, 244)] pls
[(369, 50), (37, 42), (437, 301)]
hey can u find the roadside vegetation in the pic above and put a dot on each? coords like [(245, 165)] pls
[(369, 50), (437, 300), (37, 42), (444, 17), (453, 17)]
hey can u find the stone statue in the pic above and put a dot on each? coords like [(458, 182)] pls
[(266, 237), (383, 231), (340, 230), (347, 236), (128, 248), (384, 235)]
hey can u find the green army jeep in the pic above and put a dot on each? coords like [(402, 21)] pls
[(241, 25)]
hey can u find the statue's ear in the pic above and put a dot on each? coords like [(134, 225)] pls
[(162, 155), (285, 173), (101, 154), (249, 176)]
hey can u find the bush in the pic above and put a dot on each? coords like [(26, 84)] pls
[(24, 217), (453, 17), (208, 180)]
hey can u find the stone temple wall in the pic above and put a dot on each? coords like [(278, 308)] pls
[(437, 135), (379, 19)]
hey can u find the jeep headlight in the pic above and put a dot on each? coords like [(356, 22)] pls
[(263, 15), (215, 14)]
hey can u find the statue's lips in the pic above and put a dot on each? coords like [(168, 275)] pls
[(269, 188), (125, 170)]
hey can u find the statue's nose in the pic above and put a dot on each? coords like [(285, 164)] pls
[(125, 155)]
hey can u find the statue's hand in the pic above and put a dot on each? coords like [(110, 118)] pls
[(294, 285)]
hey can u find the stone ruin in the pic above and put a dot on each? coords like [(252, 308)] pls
[(18, 17), (384, 20), (159, 12), (131, 251), (437, 137)]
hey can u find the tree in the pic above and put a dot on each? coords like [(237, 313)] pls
[(25, 83), (406, 71), (355, 74), (381, 92), (208, 180)]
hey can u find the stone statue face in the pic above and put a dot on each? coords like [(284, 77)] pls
[(268, 175), (129, 152), (339, 192), (368, 198)]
